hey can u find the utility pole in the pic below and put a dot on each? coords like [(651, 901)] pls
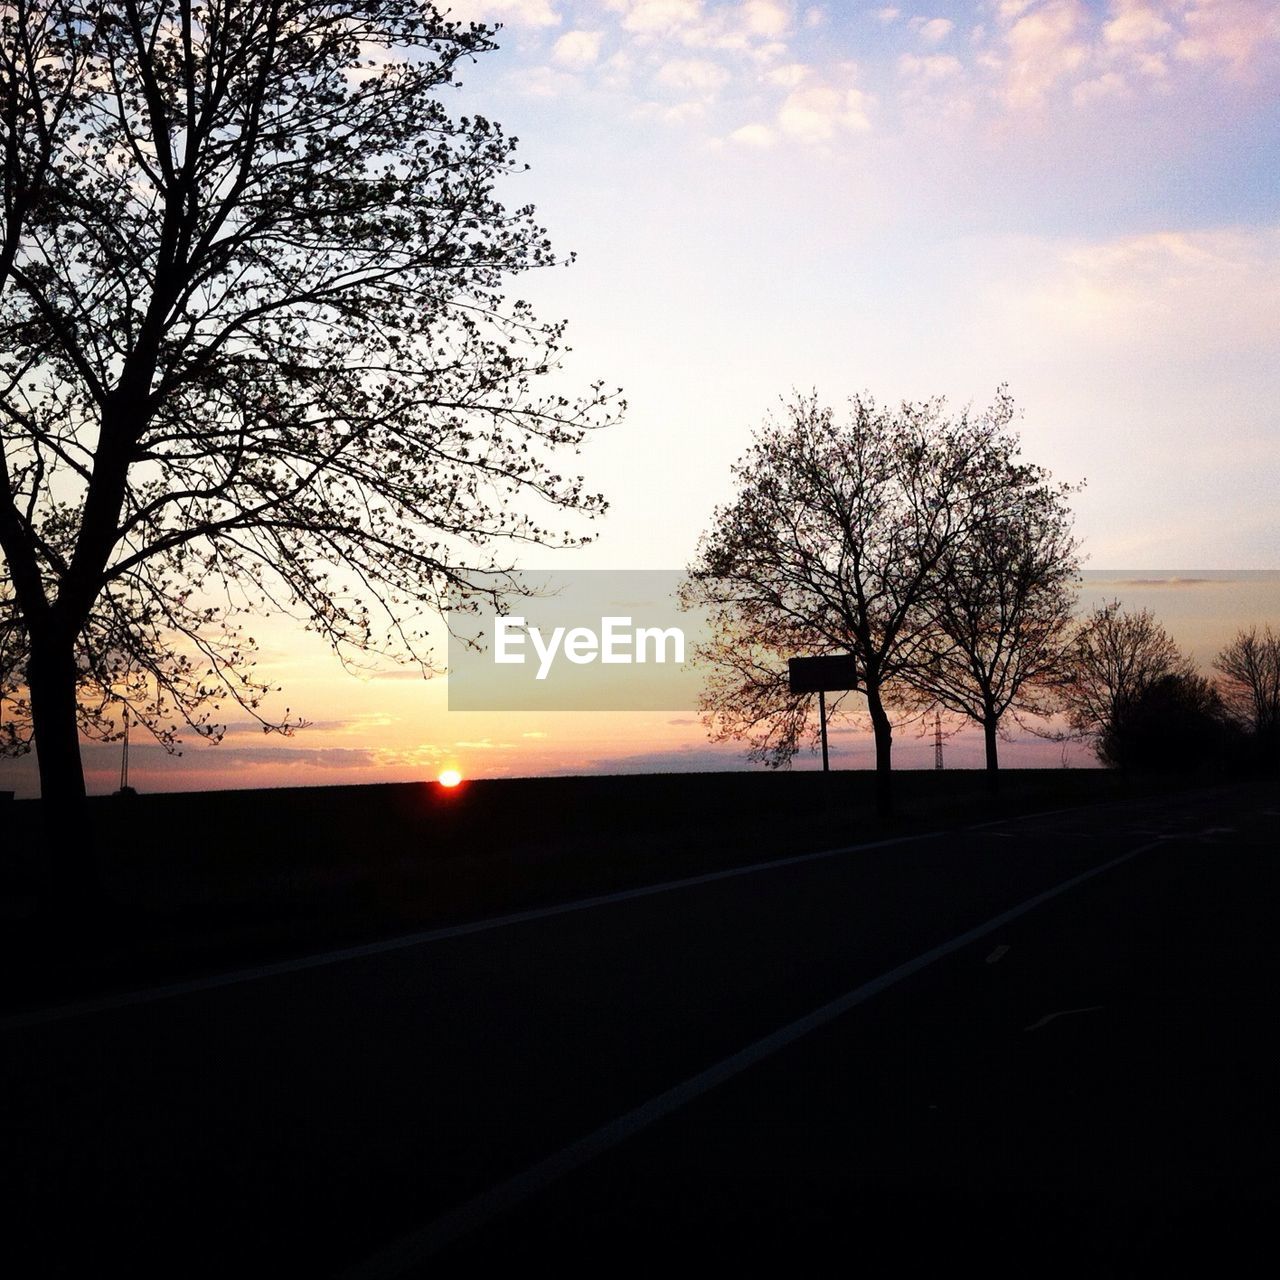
[(937, 740), (124, 756)]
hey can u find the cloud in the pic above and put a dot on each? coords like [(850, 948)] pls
[(1201, 290), (788, 76), (766, 17), (937, 66), (684, 759), (693, 75), (755, 27), (1044, 46), (1136, 23), (658, 17), (578, 50), (932, 30), (424, 755), (771, 52), (680, 113), (1025, 58), (616, 71), (543, 82), (1238, 32), (253, 728), (674, 59), (218, 759), (820, 113), (526, 13), (754, 135), (1167, 582), (1107, 86), (935, 92), (1063, 44), (356, 726)]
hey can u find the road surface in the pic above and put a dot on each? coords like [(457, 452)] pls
[(1048, 1038)]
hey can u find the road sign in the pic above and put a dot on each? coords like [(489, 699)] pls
[(827, 672)]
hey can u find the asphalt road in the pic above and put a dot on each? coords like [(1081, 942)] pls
[(909, 1053)]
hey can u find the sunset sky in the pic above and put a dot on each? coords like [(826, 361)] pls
[(1079, 199)]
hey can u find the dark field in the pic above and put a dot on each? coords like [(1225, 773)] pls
[(198, 880)]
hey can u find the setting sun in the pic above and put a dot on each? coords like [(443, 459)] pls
[(449, 778)]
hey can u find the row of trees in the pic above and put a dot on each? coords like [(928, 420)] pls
[(922, 544), (1128, 689)]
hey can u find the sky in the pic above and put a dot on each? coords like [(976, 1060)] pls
[(1077, 198)]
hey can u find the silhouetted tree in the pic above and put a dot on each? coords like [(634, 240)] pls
[(1174, 724), (1001, 602), (255, 353), (1249, 683), (830, 546), (1115, 656)]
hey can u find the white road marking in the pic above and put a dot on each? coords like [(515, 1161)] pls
[(415, 1248), (998, 954), (1062, 1013), (1043, 813), (211, 982)]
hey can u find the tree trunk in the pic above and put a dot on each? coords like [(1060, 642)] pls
[(70, 868), (51, 677), (883, 730), (989, 726)]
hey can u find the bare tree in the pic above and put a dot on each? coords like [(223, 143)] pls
[(1115, 657), (255, 351), (1249, 684), (1001, 603), (829, 546)]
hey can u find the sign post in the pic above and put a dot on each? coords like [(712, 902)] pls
[(833, 671)]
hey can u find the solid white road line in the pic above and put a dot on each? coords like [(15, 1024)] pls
[(147, 995), (417, 1247), (211, 982)]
